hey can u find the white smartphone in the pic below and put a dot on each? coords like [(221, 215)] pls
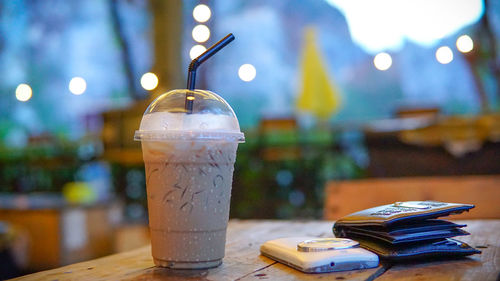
[(319, 255)]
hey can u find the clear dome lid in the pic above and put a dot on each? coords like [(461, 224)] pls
[(167, 118)]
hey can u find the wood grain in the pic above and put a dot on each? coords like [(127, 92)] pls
[(343, 197), (243, 261)]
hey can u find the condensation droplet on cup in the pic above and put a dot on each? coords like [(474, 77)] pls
[(203, 125)]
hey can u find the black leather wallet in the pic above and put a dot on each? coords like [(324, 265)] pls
[(407, 230)]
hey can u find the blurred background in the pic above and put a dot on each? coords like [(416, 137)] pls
[(325, 91)]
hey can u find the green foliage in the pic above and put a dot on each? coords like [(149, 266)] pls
[(43, 167), (290, 187)]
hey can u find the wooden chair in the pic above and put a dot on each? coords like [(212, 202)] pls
[(345, 197)]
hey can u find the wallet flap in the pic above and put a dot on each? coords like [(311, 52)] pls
[(412, 226), (401, 212), (420, 226), (403, 238), (443, 248)]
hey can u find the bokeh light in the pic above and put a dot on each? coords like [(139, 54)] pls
[(196, 50), (247, 72), (149, 81), (202, 13), (201, 33), (382, 61), (444, 55), (23, 92), (77, 85), (465, 44)]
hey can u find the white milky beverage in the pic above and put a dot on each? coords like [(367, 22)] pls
[(189, 190), (189, 154)]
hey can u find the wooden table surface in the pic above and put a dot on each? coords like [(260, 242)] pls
[(243, 261)]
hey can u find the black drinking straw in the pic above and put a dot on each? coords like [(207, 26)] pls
[(193, 66)]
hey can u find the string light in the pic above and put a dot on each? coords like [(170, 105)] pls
[(247, 72), (201, 33), (23, 92), (465, 44), (149, 81), (444, 55), (196, 50), (382, 61), (77, 85), (202, 13)]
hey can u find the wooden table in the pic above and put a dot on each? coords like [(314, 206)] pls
[(243, 261)]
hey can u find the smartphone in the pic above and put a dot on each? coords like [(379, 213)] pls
[(319, 255)]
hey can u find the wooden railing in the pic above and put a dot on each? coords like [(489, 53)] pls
[(345, 197)]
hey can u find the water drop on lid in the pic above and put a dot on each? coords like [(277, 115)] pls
[(203, 125)]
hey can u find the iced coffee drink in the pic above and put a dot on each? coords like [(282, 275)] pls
[(189, 164), (189, 186)]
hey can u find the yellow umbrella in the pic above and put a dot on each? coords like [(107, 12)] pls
[(319, 95)]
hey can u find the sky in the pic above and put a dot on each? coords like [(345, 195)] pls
[(385, 25)]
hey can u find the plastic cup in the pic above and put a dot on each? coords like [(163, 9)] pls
[(189, 142), (189, 161)]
